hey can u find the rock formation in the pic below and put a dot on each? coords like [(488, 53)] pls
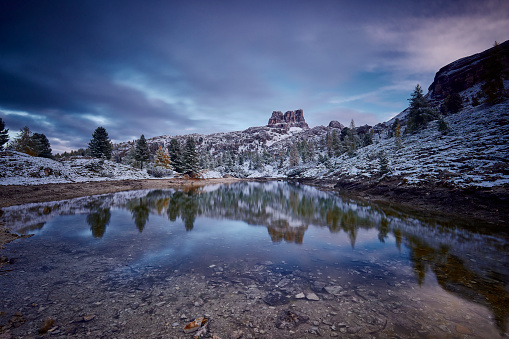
[(336, 124), (467, 72), (287, 120)]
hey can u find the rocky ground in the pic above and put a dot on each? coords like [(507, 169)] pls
[(240, 298)]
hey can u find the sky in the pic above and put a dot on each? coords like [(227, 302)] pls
[(180, 67)]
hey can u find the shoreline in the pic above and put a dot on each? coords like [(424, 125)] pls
[(486, 206), (12, 195)]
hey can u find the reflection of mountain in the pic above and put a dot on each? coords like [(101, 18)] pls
[(445, 248)]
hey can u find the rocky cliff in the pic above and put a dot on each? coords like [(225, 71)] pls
[(467, 72), (287, 120)]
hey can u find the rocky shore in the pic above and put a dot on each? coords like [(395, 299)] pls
[(489, 206)]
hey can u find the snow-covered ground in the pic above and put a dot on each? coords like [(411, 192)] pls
[(22, 169), (474, 153)]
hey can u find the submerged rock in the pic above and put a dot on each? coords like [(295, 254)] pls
[(335, 290), (290, 319), (195, 325), (275, 299), (312, 296)]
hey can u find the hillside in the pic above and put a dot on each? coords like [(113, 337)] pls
[(23, 169)]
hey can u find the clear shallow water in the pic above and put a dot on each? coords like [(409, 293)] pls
[(145, 263)]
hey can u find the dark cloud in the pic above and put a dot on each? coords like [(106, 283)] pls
[(173, 67)]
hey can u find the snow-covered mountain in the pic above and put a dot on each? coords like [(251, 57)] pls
[(473, 153)]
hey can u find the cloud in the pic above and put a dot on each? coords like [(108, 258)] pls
[(172, 67), (423, 45)]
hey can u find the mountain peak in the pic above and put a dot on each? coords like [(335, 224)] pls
[(287, 120)]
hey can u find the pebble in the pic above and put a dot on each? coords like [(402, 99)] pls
[(300, 296)]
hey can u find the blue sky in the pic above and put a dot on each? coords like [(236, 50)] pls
[(178, 67)]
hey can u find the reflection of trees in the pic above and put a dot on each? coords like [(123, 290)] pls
[(281, 229), (484, 287), (98, 220), (185, 206), (286, 210), (140, 212)]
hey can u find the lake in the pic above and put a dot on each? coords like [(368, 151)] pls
[(256, 260)]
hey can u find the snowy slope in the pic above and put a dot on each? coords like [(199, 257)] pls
[(475, 153), (22, 169)]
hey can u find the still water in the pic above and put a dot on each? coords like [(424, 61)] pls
[(258, 260)]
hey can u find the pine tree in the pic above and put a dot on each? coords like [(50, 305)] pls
[(397, 134), (23, 142), (384, 162), (100, 144), (42, 146), (4, 134), (452, 104), (190, 157), (336, 144), (163, 158), (175, 155), (442, 126), (420, 111), (352, 139), (142, 151), (311, 151), (294, 156)]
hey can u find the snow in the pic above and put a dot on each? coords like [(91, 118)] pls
[(473, 154), (22, 169), (208, 174)]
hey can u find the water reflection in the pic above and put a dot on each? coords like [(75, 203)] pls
[(468, 263), (98, 219), (140, 212)]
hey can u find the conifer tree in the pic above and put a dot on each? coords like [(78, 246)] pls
[(384, 162), (420, 111), (294, 156), (336, 144), (397, 134), (100, 144), (42, 146), (24, 142), (142, 151), (352, 139), (175, 155), (452, 104), (4, 134), (163, 158), (190, 157)]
